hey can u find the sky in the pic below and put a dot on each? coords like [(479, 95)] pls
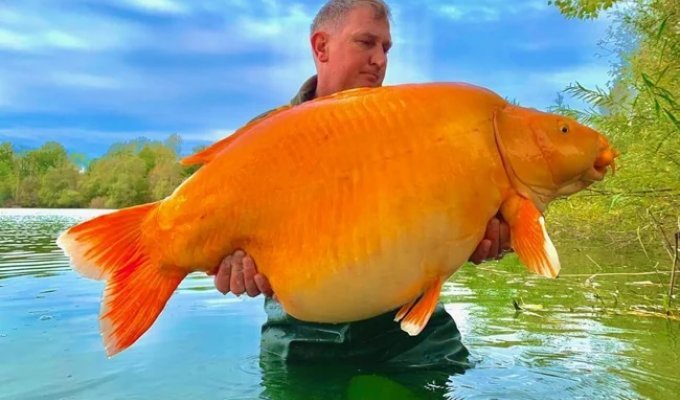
[(90, 73)]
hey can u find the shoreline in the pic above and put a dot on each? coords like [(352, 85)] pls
[(76, 212)]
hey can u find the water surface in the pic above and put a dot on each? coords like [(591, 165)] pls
[(577, 337)]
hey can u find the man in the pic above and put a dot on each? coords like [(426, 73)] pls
[(350, 40)]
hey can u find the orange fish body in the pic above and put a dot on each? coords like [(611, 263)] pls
[(352, 205)]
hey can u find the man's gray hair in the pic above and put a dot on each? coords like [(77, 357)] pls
[(334, 10)]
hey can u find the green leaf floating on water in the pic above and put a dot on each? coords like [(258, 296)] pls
[(521, 306)]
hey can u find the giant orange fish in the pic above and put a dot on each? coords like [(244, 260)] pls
[(352, 204)]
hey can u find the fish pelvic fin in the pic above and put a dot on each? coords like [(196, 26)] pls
[(110, 248), (529, 237), (404, 310), (419, 314)]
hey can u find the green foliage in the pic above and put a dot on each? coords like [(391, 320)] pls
[(164, 178), (29, 169), (639, 112), (583, 8), (7, 176), (59, 187), (133, 173), (130, 173)]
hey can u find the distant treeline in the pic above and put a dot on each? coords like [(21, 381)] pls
[(129, 173), (638, 109)]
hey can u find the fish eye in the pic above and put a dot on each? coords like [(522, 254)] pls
[(564, 129)]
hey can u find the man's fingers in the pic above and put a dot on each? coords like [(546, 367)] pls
[(223, 276), (236, 282), (249, 273), (263, 285), (506, 243), (493, 233), (481, 252)]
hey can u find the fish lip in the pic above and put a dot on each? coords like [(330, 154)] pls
[(596, 174)]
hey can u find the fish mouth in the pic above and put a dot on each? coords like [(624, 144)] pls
[(595, 174), (605, 159)]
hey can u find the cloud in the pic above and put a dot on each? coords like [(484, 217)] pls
[(411, 58), (481, 11), (159, 6), (12, 41), (281, 37), (539, 89), (97, 71), (85, 80), (5, 95), (209, 136), (588, 75), (52, 39), (477, 13), (44, 31)]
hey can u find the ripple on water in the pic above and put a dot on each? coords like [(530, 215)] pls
[(68, 388), (206, 345), (28, 241)]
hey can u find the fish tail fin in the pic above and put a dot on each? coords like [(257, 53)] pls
[(138, 286)]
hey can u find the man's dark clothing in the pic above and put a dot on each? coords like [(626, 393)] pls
[(374, 340)]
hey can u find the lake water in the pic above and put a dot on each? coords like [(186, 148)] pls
[(580, 336)]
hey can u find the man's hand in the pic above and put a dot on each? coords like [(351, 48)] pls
[(237, 273), (496, 241)]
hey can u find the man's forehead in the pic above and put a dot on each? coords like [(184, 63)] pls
[(378, 27)]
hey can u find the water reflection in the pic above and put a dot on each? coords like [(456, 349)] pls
[(573, 339), (353, 382), (28, 240)]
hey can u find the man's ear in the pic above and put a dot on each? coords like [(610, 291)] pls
[(320, 46)]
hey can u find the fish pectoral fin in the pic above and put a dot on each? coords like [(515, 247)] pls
[(529, 238), (418, 316)]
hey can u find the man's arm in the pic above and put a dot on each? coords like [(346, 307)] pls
[(237, 273)]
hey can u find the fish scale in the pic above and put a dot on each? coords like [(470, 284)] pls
[(351, 205)]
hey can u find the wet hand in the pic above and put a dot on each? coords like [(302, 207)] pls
[(237, 273), (496, 241)]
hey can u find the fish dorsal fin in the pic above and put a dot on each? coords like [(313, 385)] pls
[(209, 153)]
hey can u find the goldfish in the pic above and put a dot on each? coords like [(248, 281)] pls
[(352, 204)]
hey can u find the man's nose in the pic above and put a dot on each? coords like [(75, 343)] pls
[(379, 58)]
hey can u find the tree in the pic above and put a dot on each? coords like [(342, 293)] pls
[(583, 8), (7, 173), (119, 178), (130, 173), (639, 111), (30, 169), (60, 186), (164, 178)]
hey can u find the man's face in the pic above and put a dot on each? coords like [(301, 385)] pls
[(357, 50)]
